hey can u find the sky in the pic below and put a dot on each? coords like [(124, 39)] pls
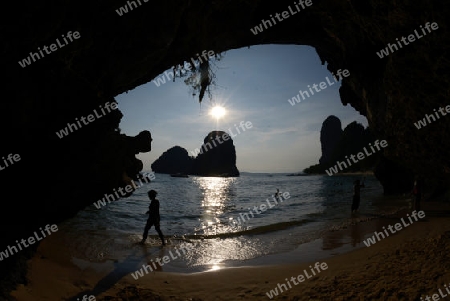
[(252, 84)]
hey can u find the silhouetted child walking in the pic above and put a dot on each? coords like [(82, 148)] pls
[(153, 218)]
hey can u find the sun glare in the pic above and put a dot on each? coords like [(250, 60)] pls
[(218, 112)]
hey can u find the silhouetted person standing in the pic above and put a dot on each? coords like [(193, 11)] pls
[(277, 194), (417, 192), (153, 218), (356, 195)]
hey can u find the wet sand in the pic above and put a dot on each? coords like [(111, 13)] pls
[(403, 266)]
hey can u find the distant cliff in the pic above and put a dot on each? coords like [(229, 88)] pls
[(174, 160), (216, 158), (117, 54), (337, 143), (330, 135)]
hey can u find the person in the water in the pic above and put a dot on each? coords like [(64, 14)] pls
[(277, 194)]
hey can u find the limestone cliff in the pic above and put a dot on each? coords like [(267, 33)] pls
[(330, 135), (174, 160), (114, 54), (217, 156), (336, 144)]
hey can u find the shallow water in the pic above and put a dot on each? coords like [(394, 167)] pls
[(197, 212)]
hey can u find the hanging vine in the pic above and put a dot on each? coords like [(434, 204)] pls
[(200, 76)]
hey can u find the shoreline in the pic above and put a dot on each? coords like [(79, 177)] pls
[(350, 173), (348, 260)]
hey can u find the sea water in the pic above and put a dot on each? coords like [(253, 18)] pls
[(200, 211)]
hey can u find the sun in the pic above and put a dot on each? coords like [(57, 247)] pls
[(218, 112)]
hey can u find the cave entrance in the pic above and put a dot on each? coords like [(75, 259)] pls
[(284, 91), (273, 134)]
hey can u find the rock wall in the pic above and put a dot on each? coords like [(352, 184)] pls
[(217, 157), (174, 160), (330, 135), (114, 54)]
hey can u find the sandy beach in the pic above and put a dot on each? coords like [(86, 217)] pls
[(405, 266)]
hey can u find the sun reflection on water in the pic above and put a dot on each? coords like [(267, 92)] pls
[(217, 194), (218, 200)]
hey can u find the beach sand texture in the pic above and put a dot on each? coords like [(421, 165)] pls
[(411, 264)]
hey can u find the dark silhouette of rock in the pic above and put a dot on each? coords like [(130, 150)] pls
[(394, 178), (330, 135), (217, 157), (351, 141), (141, 143), (121, 53), (174, 160), (354, 138)]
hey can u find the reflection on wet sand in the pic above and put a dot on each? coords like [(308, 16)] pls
[(355, 233)]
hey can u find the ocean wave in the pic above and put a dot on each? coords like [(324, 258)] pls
[(253, 231)]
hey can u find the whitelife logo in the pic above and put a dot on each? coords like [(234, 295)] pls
[(283, 287), (90, 118), (124, 9), (11, 250), (323, 85), (165, 259), (186, 67), (371, 240), (334, 169), (35, 56), (87, 298), (11, 158), (411, 38), (423, 123), (128, 189), (436, 296), (225, 137), (284, 15), (262, 207)]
